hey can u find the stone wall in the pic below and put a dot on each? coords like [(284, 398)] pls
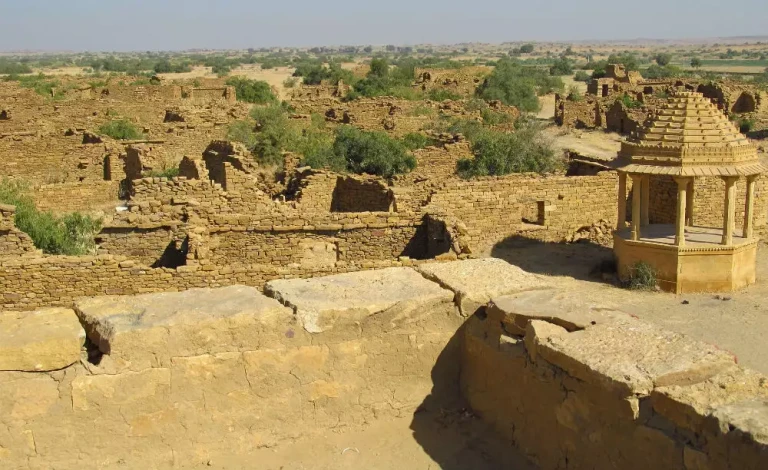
[(164, 389), (73, 197), (323, 191), (572, 385), (13, 242), (548, 208)]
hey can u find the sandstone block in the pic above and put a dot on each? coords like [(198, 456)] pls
[(148, 330), (43, 340), (474, 282), (565, 309), (633, 357), (400, 293)]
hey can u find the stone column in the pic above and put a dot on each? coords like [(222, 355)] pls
[(749, 209), (645, 204), (637, 184), (682, 213), (689, 203), (622, 221), (729, 214)]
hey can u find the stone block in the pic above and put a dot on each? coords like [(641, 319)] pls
[(633, 357), (565, 309), (43, 340), (401, 294), (148, 330), (474, 282)]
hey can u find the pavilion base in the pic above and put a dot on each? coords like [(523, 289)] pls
[(695, 267)]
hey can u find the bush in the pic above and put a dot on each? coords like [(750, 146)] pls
[(561, 67), (696, 63), (359, 151), (630, 102), (745, 125), (657, 71), (381, 81), (582, 76), (663, 59), (415, 141), (642, 276), (526, 48), (574, 94), (252, 91), (290, 82), (171, 172), (71, 234), (516, 85), (120, 129), (316, 73), (501, 153)]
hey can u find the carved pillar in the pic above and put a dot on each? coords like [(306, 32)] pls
[(622, 221), (689, 203), (681, 214), (636, 197), (646, 201), (729, 211), (749, 208)]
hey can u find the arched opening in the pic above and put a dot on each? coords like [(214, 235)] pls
[(744, 104)]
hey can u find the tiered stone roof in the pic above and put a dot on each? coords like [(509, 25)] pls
[(689, 136)]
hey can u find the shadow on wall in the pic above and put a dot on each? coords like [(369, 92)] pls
[(449, 432), (583, 260)]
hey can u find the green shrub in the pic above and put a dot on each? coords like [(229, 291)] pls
[(423, 111), (630, 102), (526, 48), (582, 76), (252, 91), (415, 141), (120, 129), (71, 234), (385, 81), (663, 59), (500, 153), (642, 276), (574, 94), (359, 151), (745, 125), (290, 82), (315, 73), (171, 172), (516, 85), (561, 67)]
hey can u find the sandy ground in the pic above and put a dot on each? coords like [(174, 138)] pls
[(442, 439), (738, 324), (596, 143)]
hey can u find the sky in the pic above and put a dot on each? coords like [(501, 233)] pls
[(142, 25)]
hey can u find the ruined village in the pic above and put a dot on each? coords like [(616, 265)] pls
[(516, 256)]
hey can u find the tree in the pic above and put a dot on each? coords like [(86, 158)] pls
[(516, 85), (526, 48), (368, 49), (561, 67), (696, 63), (361, 151), (252, 91), (663, 59), (379, 67)]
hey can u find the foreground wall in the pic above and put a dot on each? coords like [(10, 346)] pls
[(573, 385), (209, 373)]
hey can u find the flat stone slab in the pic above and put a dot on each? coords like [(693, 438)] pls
[(749, 417), (322, 302), (565, 309), (689, 406), (633, 357), (475, 282), (141, 331), (43, 340)]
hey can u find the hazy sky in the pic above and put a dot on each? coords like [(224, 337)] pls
[(126, 25)]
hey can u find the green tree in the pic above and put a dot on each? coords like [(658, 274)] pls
[(252, 91), (663, 59), (516, 85), (526, 48), (501, 153), (696, 63), (379, 67), (359, 151), (561, 67)]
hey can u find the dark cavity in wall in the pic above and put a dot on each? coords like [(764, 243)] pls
[(175, 254), (353, 195)]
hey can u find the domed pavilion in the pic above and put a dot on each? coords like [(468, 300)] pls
[(685, 139)]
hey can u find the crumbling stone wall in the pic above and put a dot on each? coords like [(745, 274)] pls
[(13, 242), (573, 385), (245, 370), (496, 208), (77, 197), (324, 191)]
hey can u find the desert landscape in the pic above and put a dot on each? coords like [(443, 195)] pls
[(518, 255)]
